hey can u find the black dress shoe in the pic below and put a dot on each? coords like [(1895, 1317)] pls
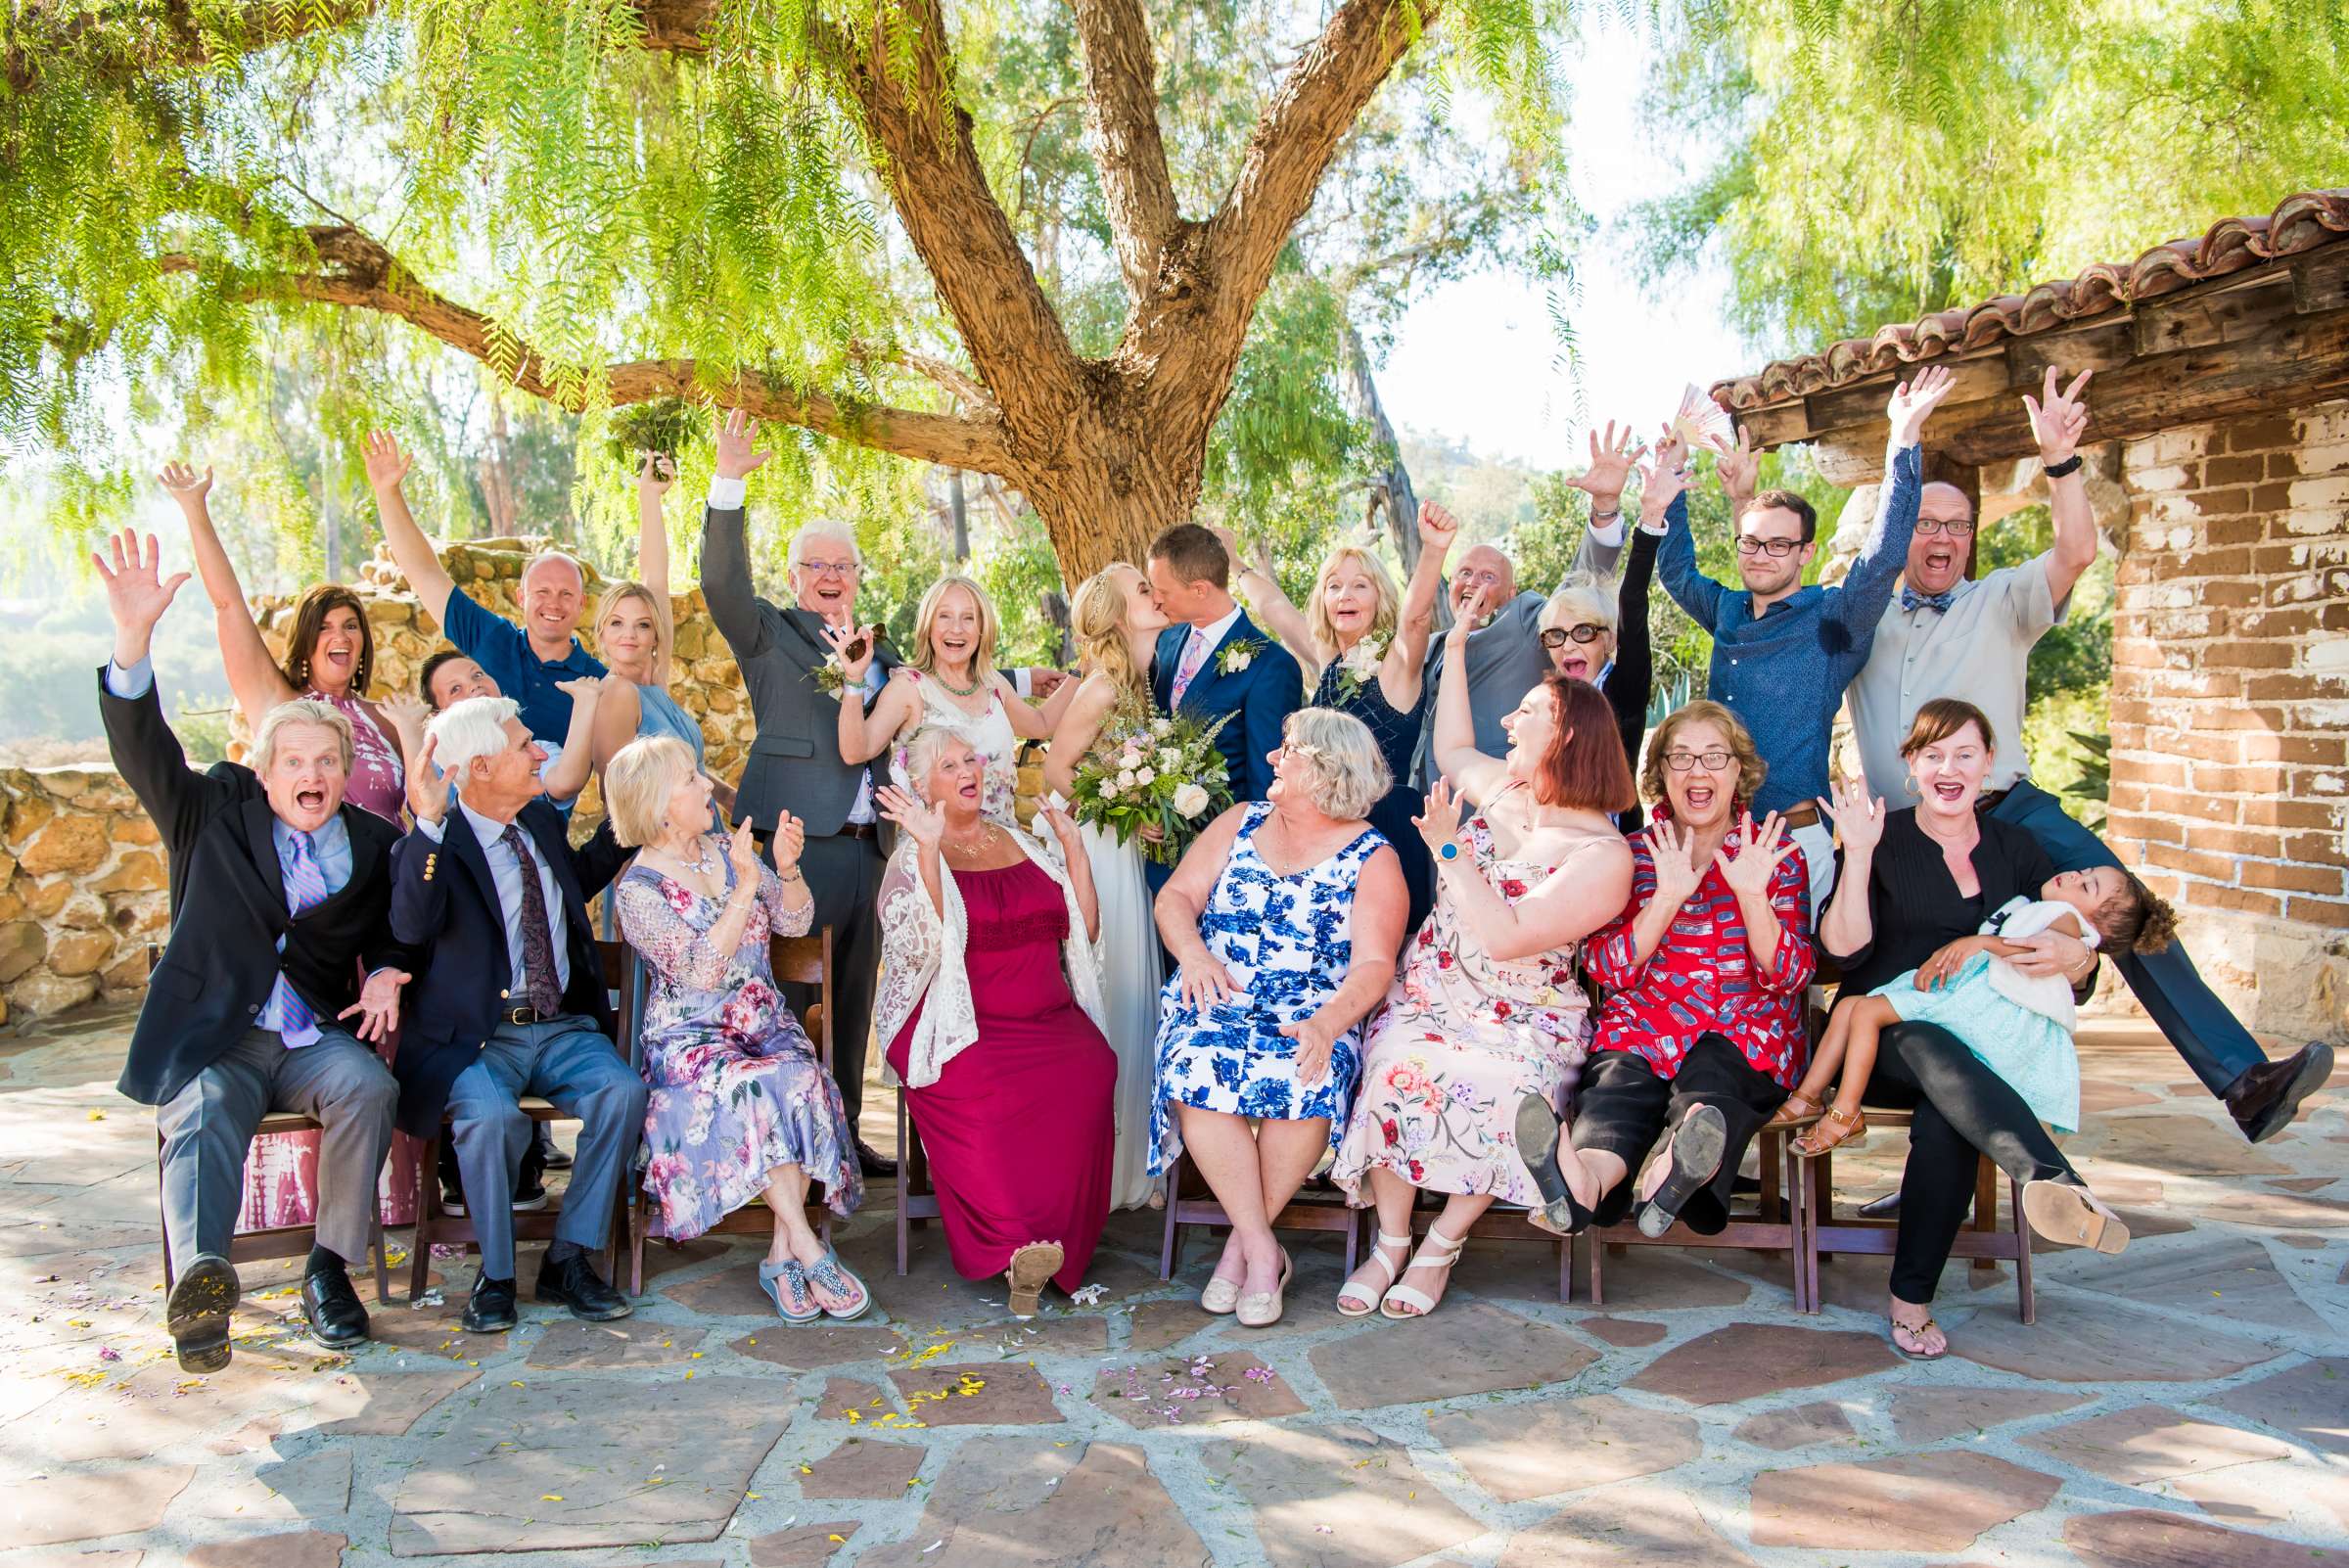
[(530, 1191), (873, 1163), (490, 1307), (1888, 1207), (2265, 1099), (452, 1199), (197, 1312), (574, 1283), (551, 1154), (332, 1305)]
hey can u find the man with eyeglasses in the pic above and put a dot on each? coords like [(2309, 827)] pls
[(1947, 636), (1783, 652), (795, 764)]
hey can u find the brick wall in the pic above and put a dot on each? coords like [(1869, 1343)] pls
[(2231, 703)]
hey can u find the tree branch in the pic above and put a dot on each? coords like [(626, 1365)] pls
[(161, 37), (358, 273), (1122, 108)]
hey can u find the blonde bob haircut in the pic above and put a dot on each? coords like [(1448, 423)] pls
[(638, 782), (1382, 620), (925, 651), (301, 710), (1349, 775), (1583, 600), (1751, 769)]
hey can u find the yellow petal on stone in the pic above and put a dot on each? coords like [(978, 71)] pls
[(550, 1496)]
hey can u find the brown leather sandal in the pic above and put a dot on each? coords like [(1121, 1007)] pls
[(1833, 1131), (1799, 1110)]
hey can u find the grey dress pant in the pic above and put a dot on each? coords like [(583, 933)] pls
[(570, 1062), (207, 1127)]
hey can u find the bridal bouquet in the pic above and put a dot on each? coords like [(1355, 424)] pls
[(1158, 770)]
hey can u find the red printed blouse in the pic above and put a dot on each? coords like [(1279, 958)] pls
[(1702, 977)]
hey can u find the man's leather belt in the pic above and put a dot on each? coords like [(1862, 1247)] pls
[(857, 830), (1802, 815), (524, 1015)]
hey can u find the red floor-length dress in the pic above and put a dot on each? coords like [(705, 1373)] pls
[(1019, 1126)]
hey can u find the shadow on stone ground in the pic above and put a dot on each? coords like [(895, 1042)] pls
[(2182, 1402)]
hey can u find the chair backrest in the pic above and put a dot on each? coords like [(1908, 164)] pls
[(808, 961), (624, 978)]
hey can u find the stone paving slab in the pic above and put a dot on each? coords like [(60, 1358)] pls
[(1625, 1527), (1931, 1502), (1471, 1349), (1548, 1446), (1339, 1496)]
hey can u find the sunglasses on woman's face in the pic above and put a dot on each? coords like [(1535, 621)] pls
[(1558, 636)]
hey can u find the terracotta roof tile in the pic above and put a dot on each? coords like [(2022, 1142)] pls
[(2300, 223)]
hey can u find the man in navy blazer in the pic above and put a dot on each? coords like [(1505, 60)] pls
[(1213, 661), (511, 998)]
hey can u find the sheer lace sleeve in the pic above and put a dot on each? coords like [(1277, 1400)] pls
[(656, 928), (922, 967), (786, 921)]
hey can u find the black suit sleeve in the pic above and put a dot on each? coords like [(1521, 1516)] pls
[(419, 892), (152, 761), (1633, 682), (598, 860), (726, 582)]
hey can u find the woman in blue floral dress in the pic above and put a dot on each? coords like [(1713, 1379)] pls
[(1285, 918), (740, 1106)]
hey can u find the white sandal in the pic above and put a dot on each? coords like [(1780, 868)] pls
[(1426, 1257), (1353, 1302)]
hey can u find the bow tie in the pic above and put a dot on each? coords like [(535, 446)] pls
[(1910, 599)]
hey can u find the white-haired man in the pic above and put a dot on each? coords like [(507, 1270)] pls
[(795, 764), (512, 1001), (531, 662), (278, 897)]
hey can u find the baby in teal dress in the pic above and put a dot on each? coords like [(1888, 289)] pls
[(2020, 1026)]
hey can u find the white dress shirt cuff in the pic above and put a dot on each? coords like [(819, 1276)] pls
[(1609, 533), (726, 494), (430, 828), (133, 683)]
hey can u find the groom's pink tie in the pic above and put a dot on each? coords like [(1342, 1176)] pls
[(1194, 654)]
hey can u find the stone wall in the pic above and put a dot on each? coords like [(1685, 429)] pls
[(82, 889), (2231, 704)]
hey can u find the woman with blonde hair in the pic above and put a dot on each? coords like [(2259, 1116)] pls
[(1117, 620), (950, 682), (740, 1104), (1364, 644)]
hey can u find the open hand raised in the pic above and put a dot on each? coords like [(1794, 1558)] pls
[(1857, 815), (185, 486), (386, 461), (136, 592), (927, 824), (1740, 469), (1610, 467), (1912, 402), (1758, 860), (2059, 418), (736, 455)]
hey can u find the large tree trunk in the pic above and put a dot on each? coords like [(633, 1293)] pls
[(1123, 473)]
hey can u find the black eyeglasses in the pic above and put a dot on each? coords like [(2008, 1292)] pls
[(1955, 527), (1558, 636), (1776, 549), (1682, 761)]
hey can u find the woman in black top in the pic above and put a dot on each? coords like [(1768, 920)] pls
[(1909, 883)]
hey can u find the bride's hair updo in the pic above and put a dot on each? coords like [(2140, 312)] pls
[(1098, 618)]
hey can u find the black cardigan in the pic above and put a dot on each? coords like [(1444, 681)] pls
[(1913, 905)]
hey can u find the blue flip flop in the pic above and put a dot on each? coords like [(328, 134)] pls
[(788, 1275)]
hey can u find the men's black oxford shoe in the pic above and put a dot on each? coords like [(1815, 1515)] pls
[(197, 1313), (2265, 1099), (333, 1307), (574, 1283), (490, 1307), (875, 1165)]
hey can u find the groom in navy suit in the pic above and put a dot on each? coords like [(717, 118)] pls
[(1213, 661)]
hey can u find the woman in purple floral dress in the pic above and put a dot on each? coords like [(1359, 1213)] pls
[(740, 1106)]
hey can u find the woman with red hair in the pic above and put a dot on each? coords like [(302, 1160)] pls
[(1703, 1032), (1487, 1010)]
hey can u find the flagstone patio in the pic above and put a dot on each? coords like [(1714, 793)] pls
[(2186, 1403)]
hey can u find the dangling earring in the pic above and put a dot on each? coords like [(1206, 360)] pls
[(1915, 788)]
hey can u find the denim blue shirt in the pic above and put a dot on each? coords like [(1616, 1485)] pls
[(503, 650), (1783, 672)]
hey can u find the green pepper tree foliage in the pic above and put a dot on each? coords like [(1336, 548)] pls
[(1029, 239)]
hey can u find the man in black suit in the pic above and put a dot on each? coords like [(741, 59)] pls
[(278, 895), (510, 999)]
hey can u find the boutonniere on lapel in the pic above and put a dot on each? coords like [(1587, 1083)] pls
[(1238, 656), (1359, 666)]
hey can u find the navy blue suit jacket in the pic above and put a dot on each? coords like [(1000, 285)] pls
[(1263, 696), (445, 904)]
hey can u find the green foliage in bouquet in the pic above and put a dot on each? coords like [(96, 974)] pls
[(1160, 772)]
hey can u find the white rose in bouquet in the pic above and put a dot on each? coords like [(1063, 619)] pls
[(1144, 775), (1161, 726), (1189, 801), (1109, 789), (1125, 778), (1169, 757)]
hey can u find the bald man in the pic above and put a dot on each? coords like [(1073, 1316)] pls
[(1946, 636)]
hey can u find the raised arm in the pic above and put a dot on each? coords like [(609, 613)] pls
[(1858, 603), (1266, 603), (866, 733), (697, 960), (1404, 668), (146, 753), (252, 676), (1772, 887), (1694, 592), (1453, 744), (2058, 422), (418, 561), (726, 548), (1080, 868), (1601, 548), (619, 712), (1582, 894), (1080, 727), (655, 474), (1848, 930), (1030, 721), (570, 772)]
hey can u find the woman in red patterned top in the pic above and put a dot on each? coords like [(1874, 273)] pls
[(1703, 1029)]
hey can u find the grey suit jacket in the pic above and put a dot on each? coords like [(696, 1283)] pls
[(1505, 659), (795, 764)]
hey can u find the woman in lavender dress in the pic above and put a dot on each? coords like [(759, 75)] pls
[(740, 1106)]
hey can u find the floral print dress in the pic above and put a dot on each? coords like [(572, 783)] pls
[(736, 1087), (1287, 943), (1463, 1038)]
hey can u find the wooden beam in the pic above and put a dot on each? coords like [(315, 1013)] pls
[(2321, 282), (2206, 318)]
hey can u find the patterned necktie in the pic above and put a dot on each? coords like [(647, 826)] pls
[(1910, 599), (537, 936), (1194, 654), (305, 888)]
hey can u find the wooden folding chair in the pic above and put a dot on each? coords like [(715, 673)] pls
[(1315, 1208), (917, 1198), (271, 1242), (1505, 1222), (436, 1226), (1775, 1225), (795, 960), (1984, 1239)]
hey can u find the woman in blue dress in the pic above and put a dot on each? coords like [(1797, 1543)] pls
[(633, 632), (1364, 645), (1285, 917)]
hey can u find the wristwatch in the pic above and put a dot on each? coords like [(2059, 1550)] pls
[(1450, 849), (2070, 465)]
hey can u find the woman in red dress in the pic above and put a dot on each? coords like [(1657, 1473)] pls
[(991, 1003)]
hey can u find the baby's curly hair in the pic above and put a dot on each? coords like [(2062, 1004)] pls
[(2135, 919)]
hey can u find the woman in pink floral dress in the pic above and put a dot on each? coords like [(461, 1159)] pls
[(740, 1106), (1487, 1008)]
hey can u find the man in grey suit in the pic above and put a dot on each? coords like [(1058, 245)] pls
[(795, 764), (1505, 656)]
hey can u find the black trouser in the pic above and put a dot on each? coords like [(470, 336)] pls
[(844, 878), (1959, 1107), (1623, 1107)]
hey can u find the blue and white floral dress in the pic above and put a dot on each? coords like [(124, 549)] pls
[(1287, 943)]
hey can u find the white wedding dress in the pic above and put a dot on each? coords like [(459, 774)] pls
[(1130, 983)]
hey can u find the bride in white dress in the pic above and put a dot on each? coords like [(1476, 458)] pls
[(1117, 623)]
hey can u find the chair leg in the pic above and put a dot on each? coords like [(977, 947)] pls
[(2022, 1255), (1810, 1203), (904, 1182), (1565, 1270), (1598, 1253), (639, 1220), (427, 1209), (1170, 1240), (383, 1261), (1985, 1204)]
